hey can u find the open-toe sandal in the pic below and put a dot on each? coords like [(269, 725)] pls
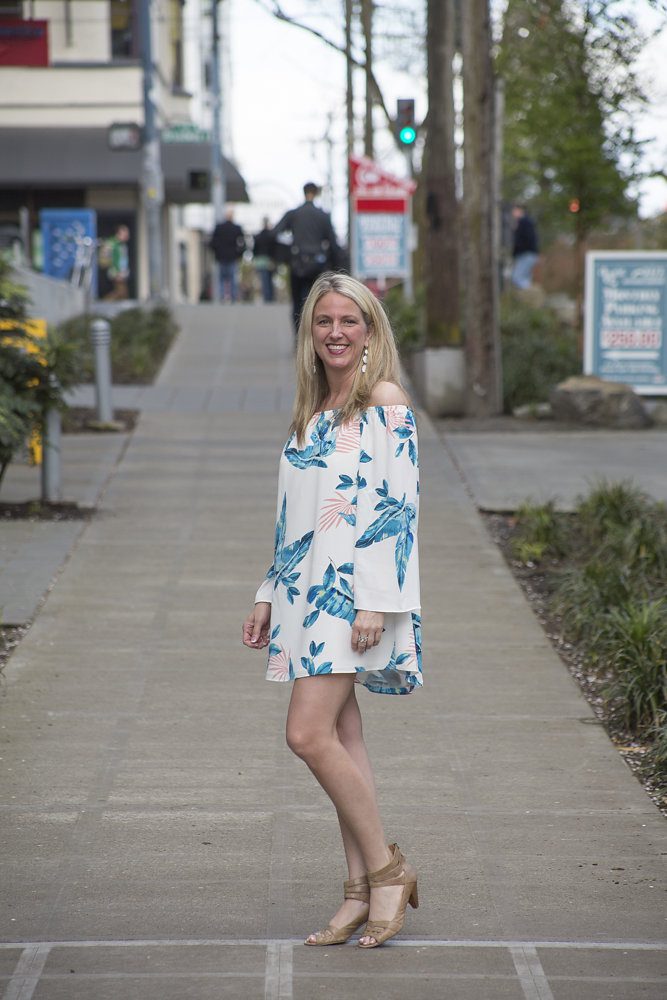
[(354, 888), (397, 872)]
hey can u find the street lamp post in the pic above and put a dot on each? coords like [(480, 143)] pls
[(152, 181), (218, 192)]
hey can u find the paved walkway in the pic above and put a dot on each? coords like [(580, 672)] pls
[(159, 842), (33, 552), (505, 469)]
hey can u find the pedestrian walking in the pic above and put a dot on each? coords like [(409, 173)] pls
[(314, 246), (340, 606), (264, 250), (525, 247), (115, 256), (228, 245)]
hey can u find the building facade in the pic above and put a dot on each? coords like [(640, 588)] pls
[(71, 120)]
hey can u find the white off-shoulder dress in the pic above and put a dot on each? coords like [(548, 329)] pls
[(346, 539)]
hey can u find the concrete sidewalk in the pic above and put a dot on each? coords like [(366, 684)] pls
[(159, 840), (32, 551), (504, 470)]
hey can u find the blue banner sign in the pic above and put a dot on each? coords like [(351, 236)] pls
[(626, 319), (381, 240), (68, 235)]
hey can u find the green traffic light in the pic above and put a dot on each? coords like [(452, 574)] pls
[(407, 135)]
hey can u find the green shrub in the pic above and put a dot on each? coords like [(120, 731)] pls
[(658, 751), (140, 339), (539, 350), (540, 532), (406, 318), (33, 371), (610, 593), (632, 642), (584, 594), (610, 505)]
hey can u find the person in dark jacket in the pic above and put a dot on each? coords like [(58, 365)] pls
[(228, 245), (525, 248), (264, 251), (314, 246)]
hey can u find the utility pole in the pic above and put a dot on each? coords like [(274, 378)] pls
[(367, 26), (218, 187), (152, 180), (218, 192), (349, 110)]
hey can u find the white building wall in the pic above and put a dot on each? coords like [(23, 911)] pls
[(75, 96), (83, 37)]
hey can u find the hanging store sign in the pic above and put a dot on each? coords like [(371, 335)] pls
[(125, 136), (625, 336), (381, 210), (186, 132)]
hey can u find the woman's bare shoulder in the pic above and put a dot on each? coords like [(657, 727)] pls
[(388, 394)]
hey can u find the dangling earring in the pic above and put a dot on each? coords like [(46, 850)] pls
[(364, 359), (314, 368)]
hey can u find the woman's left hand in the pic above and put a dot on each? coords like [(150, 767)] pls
[(367, 625)]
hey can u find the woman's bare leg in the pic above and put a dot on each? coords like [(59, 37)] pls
[(350, 733), (316, 708), (312, 734)]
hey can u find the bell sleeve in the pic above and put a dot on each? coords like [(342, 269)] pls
[(265, 592), (386, 561)]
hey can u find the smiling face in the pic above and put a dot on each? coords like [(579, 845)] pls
[(340, 333)]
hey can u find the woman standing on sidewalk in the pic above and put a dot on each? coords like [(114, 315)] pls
[(340, 604)]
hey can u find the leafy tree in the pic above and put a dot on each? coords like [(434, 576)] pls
[(571, 95)]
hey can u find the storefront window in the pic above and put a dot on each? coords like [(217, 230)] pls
[(176, 34), (123, 29)]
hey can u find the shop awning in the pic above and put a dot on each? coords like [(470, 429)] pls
[(80, 157)]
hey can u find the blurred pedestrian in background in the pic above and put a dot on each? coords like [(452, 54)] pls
[(314, 246), (264, 251), (228, 246), (525, 248)]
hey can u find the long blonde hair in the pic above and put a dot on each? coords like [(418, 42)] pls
[(382, 365)]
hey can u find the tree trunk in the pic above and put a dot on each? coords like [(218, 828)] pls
[(480, 266), (367, 27), (441, 232)]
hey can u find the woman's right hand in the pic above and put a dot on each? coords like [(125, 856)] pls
[(256, 626)]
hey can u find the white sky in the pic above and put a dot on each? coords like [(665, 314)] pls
[(286, 84)]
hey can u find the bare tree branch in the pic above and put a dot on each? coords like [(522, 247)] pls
[(274, 8)]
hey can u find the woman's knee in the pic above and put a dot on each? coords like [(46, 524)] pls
[(304, 741)]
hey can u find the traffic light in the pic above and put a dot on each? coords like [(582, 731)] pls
[(406, 130)]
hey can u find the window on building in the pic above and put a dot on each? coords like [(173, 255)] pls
[(176, 36), (11, 8), (124, 33)]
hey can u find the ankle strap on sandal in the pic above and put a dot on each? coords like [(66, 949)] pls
[(390, 874), (357, 888)]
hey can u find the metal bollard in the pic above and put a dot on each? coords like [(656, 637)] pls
[(101, 336), (51, 466)]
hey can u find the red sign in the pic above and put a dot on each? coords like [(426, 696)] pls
[(369, 180), (24, 43), (380, 204)]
